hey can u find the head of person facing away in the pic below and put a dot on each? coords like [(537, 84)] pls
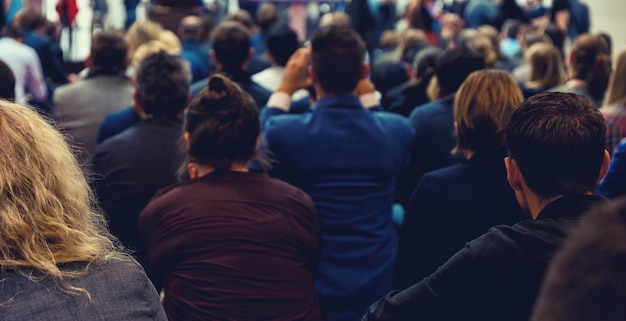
[(161, 84), (230, 46), (222, 129), (190, 28), (337, 55), (453, 66), (47, 216), (7, 82), (482, 108), (556, 148), (108, 53), (586, 279), (589, 61), (546, 66), (281, 42)]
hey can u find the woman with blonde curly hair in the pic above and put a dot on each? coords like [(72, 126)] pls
[(57, 259)]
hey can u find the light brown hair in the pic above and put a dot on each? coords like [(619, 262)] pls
[(616, 93), (483, 106), (590, 62), (546, 65)]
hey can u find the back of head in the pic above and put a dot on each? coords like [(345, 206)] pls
[(147, 49), (412, 41), (557, 140), (483, 46), (512, 28), (231, 44), (337, 56), (453, 66), (425, 60), (190, 28), (586, 279), (13, 32), (171, 41), (546, 65), (46, 213), (266, 16), (222, 124), (532, 37), (590, 61), (281, 42), (141, 32), (7, 82), (109, 52), (616, 93), (337, 19), (162, 85), (493, 36), (389, 39), (557, 36), (483, 107), (30, 19), (242, 17)]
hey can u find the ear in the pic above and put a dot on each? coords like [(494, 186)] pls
[(137, 106), (216, 61), (366, 71), (187, 139), (606, 162), (250, 54), (270, 57), (258, 142), (513, 174), (88, 62), (312, 75), (192, 170)]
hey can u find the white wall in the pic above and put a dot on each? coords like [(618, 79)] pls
[(609, 16)]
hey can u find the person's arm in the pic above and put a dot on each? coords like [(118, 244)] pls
[(35, 82), (444, 295)]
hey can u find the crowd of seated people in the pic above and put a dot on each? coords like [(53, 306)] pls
[(238, 172)]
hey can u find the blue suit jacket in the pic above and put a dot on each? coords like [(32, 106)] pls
[(346, 158)]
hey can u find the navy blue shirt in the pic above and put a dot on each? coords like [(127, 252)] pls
[(346, 158)]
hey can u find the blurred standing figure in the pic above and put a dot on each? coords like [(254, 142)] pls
[(57, 259)]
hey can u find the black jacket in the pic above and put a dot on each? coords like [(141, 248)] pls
[(494, 277)]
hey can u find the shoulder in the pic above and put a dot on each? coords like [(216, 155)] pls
[(396, 123), (286, 123)]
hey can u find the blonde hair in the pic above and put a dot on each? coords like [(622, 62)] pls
[(483, 46), (171, 41), (141, 32), (492, 34), (483, 106), (616, 93), (47, 215), (546, 63)]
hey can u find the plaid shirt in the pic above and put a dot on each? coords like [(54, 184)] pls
[(615, 118)]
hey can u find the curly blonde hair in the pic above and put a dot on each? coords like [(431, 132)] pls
[(47, 212)]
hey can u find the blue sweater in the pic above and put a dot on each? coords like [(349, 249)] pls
[(346, 158)]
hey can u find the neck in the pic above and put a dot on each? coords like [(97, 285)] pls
[(537, 204), (321, 93), (575, 82), (204, 170)]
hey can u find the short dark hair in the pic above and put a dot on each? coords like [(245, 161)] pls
[(223, 125), (281, 42), (109, 51), (13, 32), (557, 140), (231, 44), (337, 58), (31, 20), (586, 279), (162, 85), (7, 82), (453, 66), (189, 27)]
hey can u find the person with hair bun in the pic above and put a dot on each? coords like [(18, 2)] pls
[(229, 244), (57, 259), (588, 68)]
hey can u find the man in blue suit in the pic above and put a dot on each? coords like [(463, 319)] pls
[(345, 156)]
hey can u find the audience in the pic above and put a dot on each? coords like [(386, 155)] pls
[(345, 156), (80, 107), (24, 64), (231, 52), (434, 122), (556, 157), (397, 195), (585, 280), (133, 165), (437, 223), (57, 259), (229, 244), (588, 68), (614, 109)]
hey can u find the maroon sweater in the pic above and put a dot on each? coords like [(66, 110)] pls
[(234, 246)]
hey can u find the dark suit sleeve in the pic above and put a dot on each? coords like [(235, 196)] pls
[(443, 295)]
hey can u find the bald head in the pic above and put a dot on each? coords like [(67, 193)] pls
[(189, 27)]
